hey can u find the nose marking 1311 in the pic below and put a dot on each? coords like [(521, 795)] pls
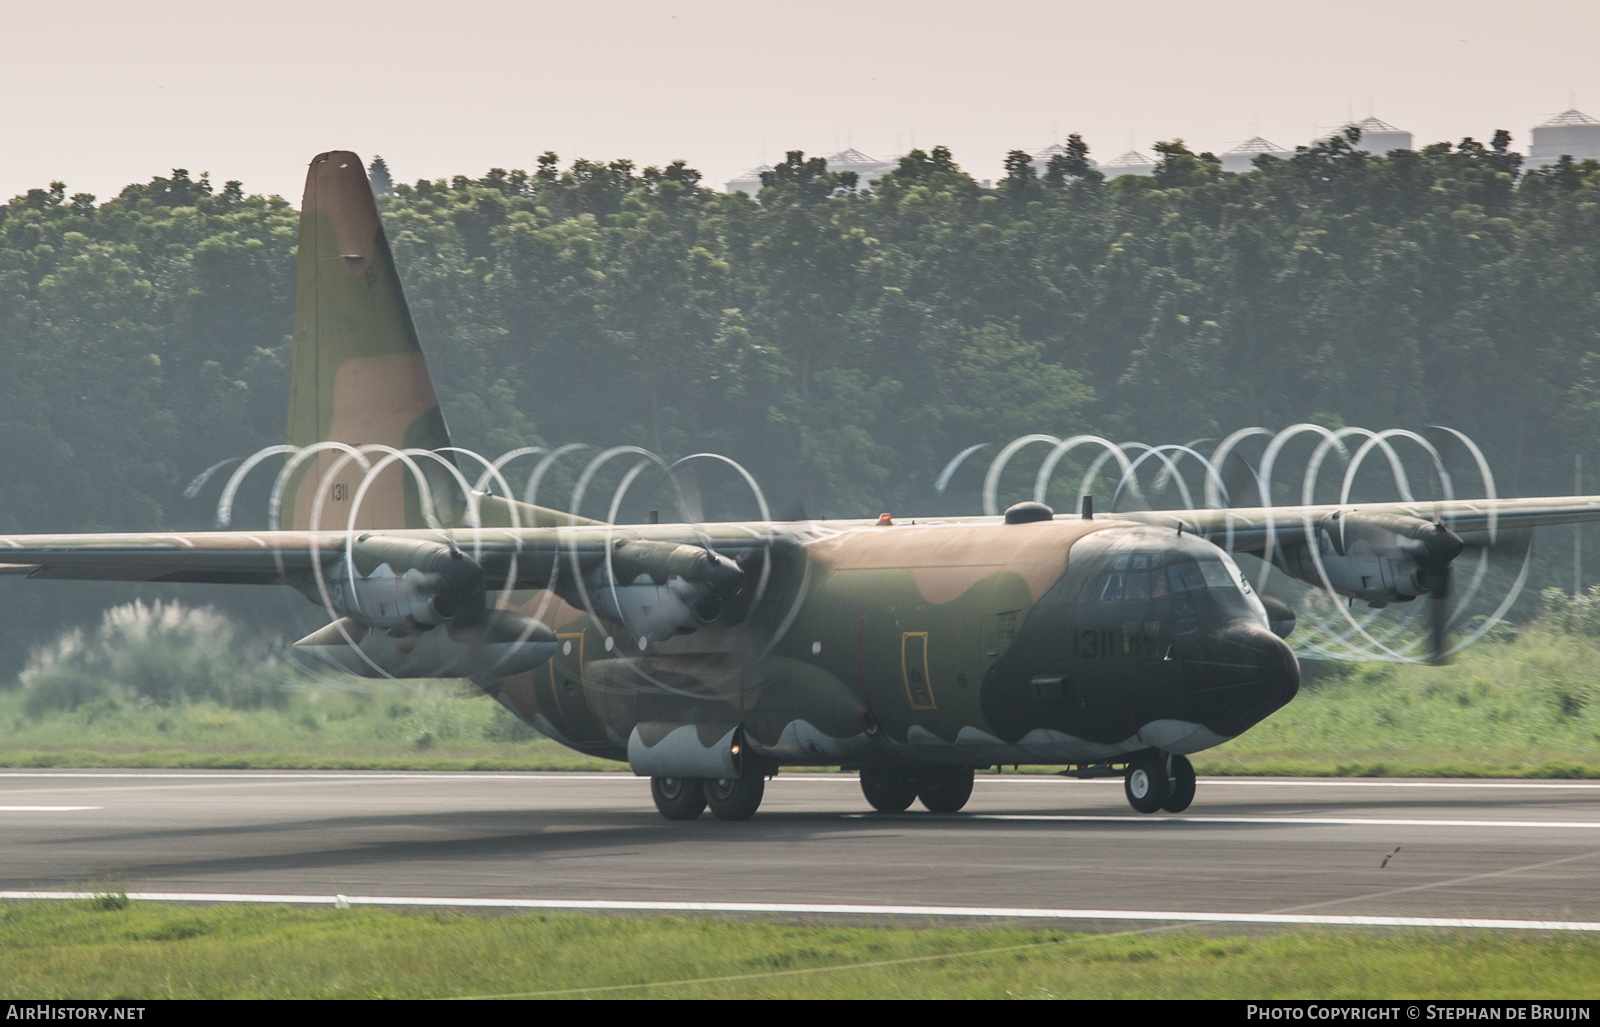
[(1093, 645)]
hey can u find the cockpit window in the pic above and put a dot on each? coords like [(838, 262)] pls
[(1216, 575), (1142, 576), (1186, 577), (1136, 561), (1202, 580)]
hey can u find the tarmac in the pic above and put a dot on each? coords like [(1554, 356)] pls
[(1249, 851)]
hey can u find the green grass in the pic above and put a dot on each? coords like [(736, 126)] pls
[(431, 726), (1524, 708), (112, 948)]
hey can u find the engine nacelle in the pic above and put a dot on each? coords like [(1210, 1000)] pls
[(507, 643), (1382, 559), (403, 585), (658, 590), (658, 611), (1376, 579)]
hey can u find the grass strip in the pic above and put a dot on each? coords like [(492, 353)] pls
[(110, 947)]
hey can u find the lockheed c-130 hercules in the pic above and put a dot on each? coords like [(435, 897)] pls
[(710, 655)]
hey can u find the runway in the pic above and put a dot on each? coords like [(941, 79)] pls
[(1247, 851)]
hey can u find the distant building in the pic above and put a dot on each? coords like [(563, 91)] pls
[(1131, 163), (1041, 160), (1568, 134), (866, 169), (1379, 137), (1242, 157), (748, 183)]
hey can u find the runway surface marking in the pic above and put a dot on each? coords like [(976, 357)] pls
[(912, 818), (46, 809), (1341, 783), (1140, 915), (468, 775)]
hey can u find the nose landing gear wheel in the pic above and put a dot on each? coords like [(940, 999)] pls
[(946, 791), (887, 791), (735, 798), (1182, 785), (678, 798), (1146, 784)]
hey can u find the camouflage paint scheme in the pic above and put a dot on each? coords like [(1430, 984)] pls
[(357, 372), (962, 642)]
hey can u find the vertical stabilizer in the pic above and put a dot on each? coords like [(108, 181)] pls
[(357, 373)]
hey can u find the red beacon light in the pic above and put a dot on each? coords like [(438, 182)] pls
[(884, 520)]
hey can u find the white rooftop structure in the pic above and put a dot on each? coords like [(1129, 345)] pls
[(1242, 157), (1570, 133), (866, 168), (1378, 136), (749, 182), (1041, 160), (1131, 163)]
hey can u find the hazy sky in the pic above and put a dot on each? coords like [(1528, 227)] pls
[(103, 94)]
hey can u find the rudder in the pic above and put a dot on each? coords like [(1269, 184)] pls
[(357, 372)]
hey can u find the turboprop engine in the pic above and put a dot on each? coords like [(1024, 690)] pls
[(391, 609), (658, 590), (402, 585), (1380, 558)]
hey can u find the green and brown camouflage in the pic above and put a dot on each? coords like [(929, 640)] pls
[(358, 377), (357, 373), (915, 650)]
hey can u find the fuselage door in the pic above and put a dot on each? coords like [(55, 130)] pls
[(914, 670), (567, 683)]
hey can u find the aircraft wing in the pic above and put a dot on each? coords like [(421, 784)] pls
[(222, 557), (525, 558), (1476, 521)]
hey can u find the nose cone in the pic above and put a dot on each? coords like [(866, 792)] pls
[(1238, 674)]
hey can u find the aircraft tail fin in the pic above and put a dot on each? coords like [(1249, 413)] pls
[(357, 373)]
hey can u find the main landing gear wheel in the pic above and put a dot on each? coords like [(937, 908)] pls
[(1182, 785), (888, 791), (946, 790), (735, 798), (679, 798), (1147, 785)]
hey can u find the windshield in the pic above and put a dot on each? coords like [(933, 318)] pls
[(1154, 575)]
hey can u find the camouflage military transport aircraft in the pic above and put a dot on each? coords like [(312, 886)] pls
[(709, 656)]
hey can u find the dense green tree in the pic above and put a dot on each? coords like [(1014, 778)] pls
[(378, 172), (1074, 163)]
